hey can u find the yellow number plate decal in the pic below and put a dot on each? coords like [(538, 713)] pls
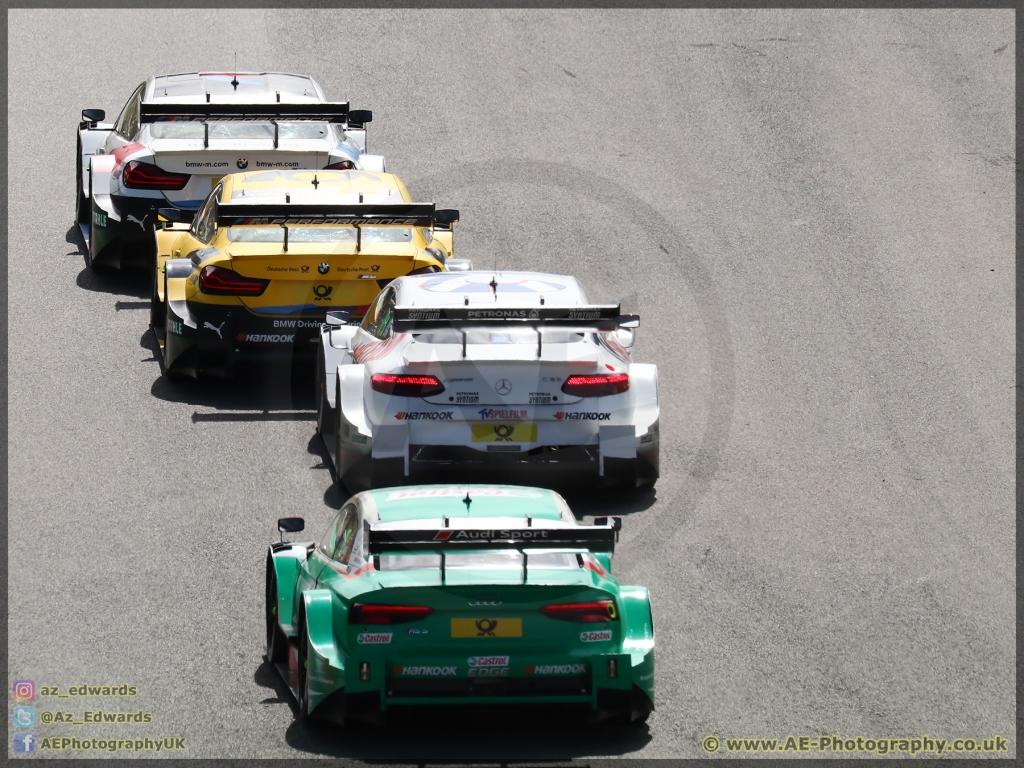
[(504, 433), (487, 627)]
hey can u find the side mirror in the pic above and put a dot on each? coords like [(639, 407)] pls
[(360, 116), (437, 253), (626, 337), (629, 321), (445, 217), (93, 115), (616, 522), (338, 317), (173, 215), (459, 265), (291, 524)]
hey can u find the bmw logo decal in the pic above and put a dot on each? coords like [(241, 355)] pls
[(323, 268), (242, 163)]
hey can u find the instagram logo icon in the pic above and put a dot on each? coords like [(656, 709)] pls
[(24, 690)]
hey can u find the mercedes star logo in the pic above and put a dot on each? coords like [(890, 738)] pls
[(503, 387), (242, 163), (324, 268)]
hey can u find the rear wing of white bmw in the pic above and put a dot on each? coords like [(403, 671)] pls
[(598, 317), (368, 214), (592, 538), (325, 112)]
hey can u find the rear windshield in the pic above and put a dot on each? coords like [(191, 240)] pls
[(319, 235), (495, 336), (239, 129)]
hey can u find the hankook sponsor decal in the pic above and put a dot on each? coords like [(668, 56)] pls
[(556, 669), (424, 415), (423, 671), (266, 338), (582, 416)]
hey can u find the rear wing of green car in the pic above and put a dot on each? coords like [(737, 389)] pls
[(593, 538)]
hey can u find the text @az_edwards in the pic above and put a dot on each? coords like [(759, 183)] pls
[(836, 745)]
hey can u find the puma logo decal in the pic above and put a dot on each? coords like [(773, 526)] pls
[(215, 328), (142, 223)]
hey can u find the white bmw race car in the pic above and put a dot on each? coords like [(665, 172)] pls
[(179, 134), (505, 374)]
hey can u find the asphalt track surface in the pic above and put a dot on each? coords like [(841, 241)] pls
[(813, 212)]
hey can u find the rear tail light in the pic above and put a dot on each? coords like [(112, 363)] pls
[(344, 165), (406, 385), (146, 176), (597, 385), (594, 612), (360, 613), (425, 270), (224, 282)]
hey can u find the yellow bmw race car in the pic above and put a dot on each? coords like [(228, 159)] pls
[(269, 253)]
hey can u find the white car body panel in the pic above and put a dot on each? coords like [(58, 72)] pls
[(495, 382)]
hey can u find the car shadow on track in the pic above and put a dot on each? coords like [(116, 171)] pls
[(253, 392), (124, 282), (411, 733)]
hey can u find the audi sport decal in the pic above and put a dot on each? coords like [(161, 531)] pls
[(433, 493)]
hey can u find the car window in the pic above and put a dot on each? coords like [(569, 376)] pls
[(128, 122), (385, 315), (204, 227), (329, 544), (370, 318), (346, 538)]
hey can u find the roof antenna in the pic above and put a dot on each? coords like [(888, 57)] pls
[(316, 184), (494, 286), (234, 77), (285, 227), (467, 501)]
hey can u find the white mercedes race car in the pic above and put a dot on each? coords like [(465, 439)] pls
[(179, 134), (510, 375)]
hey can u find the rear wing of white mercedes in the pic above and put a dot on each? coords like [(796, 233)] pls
[(598, 317)]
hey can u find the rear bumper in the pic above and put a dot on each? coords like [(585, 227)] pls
[(211, 338)]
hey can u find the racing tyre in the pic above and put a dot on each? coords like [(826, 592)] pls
[(277, 641), (90, 253), (304, 715), (82, 204), (157, 313), (321, 399)]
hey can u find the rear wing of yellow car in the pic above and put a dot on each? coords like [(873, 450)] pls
[(369, 214)]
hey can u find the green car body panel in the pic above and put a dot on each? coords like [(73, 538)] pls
[(481, 634)]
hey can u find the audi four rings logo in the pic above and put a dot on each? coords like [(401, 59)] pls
[(323, 268), (242, 163), (482, 603), (503, 387)]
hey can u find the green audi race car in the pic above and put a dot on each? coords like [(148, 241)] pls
[(458, 594)]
